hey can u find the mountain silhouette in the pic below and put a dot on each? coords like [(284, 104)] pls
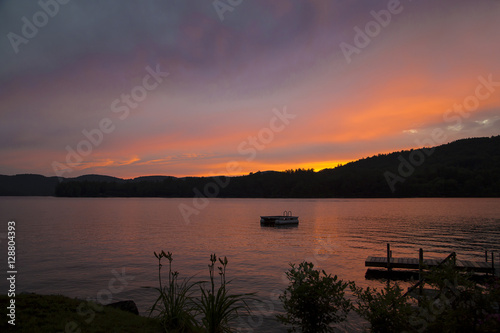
[(463, 168)]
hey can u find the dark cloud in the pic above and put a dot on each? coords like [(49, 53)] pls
[(187, 30)]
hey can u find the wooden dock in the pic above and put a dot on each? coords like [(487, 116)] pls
[(413, 263), (420, 263)]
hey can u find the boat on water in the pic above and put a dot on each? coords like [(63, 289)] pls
[(276, 220)]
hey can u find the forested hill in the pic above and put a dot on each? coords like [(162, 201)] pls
[(464, 168)]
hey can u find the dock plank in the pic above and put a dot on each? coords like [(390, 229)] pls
[(413, 263)]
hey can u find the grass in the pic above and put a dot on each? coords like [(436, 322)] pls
[(56, 313)]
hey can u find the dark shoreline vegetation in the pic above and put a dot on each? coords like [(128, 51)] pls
[(463, 168), (313, 301)]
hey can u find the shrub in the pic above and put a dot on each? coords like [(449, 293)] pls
[(459, 304), (387, 311), (453, 303), (313, 300)]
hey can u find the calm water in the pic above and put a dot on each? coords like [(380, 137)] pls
[(71, 246)]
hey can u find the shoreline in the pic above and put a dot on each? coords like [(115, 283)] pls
[(59, 313)]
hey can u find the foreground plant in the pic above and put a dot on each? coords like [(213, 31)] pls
[(459, 304), (449, 301), (387, 310), (313, 301), (175, 306), (218, 307)]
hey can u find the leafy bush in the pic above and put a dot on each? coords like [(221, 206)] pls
[(387, 311), (313, 300), (459, 304), (451, 302)]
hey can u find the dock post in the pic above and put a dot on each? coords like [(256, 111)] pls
[(420, 268), (493, 263), (486, 255), (389, 269)]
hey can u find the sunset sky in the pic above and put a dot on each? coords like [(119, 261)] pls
[(184, 88)]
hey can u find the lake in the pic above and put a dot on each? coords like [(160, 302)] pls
[(103, 248)]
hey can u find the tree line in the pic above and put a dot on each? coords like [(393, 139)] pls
[(464, 168)]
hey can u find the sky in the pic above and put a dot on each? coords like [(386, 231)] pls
[(228, 87)]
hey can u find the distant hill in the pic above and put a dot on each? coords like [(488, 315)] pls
[(151, 178), (96, 178), (463, 168), (38, 185), (35, 185)]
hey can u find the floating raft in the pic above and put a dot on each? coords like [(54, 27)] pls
[(276, 220)]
